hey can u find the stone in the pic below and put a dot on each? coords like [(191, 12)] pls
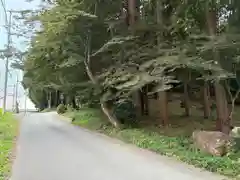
[(213, 142), (235, 132)]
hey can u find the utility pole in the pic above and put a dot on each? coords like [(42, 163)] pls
[(25, 103), (17, 103), (16, 92), (9, 24), (15, 96), (13, 103)]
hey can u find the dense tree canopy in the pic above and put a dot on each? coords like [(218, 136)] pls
[(105, 51)]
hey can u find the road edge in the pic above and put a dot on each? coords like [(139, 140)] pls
[(132, 146)]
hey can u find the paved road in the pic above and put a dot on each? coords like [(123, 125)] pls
[(50, 149)]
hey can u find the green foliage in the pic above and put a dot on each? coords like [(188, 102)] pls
[(48, 110), (83, 32), (82, 37), (8, 132), (69, 108), (236, 147), (61, 109), (87, 117), (126, 113), (182, 149), (235, 133), (88, 96)]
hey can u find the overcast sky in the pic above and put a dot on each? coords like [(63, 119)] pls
[(12, 5)]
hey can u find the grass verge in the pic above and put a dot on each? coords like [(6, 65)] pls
[(172, 141), (48, 110), (8, 132)]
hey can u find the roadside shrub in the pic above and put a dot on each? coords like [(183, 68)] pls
[(235, 134), (69, 108), (61, 109), (125, 113)]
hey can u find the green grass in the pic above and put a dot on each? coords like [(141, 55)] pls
[(48, 110), (89, 118), (8, 130)]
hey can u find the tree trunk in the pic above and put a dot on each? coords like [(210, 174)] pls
[(137, 101), (223, 121), (146, 105), (162, 95), (221, 101), (206, 103), (164, 107), (56, 98), (68, 100), (74, 105), (141, 98), (106, 110), (49, 100), (186, 100), (145, 100), (132, 12)]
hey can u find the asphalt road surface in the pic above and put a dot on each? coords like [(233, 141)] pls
[(51, 149)]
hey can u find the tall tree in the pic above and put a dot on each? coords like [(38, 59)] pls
[(212, 17), (162, 94)]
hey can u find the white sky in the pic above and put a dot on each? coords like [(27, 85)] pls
[(12, 5)]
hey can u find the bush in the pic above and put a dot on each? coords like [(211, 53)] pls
[(125, 112), (69, 108), (235, 133), (61, 109)]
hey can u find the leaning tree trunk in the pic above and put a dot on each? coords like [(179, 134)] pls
[(87, 62), (163, 94), (220, 93), (104, 105)]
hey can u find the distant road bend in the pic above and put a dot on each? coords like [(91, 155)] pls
[(50, 149)]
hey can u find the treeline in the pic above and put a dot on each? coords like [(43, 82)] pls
[(106, 52)]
